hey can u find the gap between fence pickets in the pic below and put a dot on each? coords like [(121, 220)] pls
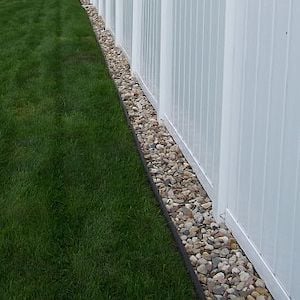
[(272, 283)]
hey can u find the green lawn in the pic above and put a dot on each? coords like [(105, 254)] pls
[(77, 219)]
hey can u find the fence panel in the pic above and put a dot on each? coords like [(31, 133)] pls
[(124, 28), (111, 15), (95, 3), (146, 40), (263, 198), (101, 8), (193, 109)]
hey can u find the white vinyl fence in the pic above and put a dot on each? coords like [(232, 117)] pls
[(124, 20), (101, 7), (224, 77), (263, 201), (146, 39), (192, 83), (110, 13)]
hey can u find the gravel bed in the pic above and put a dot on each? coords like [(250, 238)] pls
[(221, 266)]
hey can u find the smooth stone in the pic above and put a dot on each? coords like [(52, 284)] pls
[(259, 283), (187, 212), (224, 252), (240, 286), (232, 260), (202, 269), (206, 205), (193, 259), (199, 219), (230, 290), (219, 277), (218, 290), (244, 276), (183, 237), (235, 270), (262, 291), (215, 262), (188, 225), (209, 247)]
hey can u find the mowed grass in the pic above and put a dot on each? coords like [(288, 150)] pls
[(78, 219)]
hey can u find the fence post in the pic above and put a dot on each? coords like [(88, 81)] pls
[(119, 22), (107, 14), (220, 205), (107, 9), (136, 35), (166, 55), (100, 7), (103, 9)]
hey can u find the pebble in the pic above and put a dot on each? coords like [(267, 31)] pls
[(183, 237), (193, 259), (209, 247), (187, 212), (240, 286), (216, 261), (235, 270), (224, 252), (232, 259), (206, 256), (255, 294), (224, 267), (244, 276), (218, 290), (212, 249), (188, 225), (206, 205), (219, 277), (262, 291), (230, 290), (202, 269), (259, 283), (199, 219)]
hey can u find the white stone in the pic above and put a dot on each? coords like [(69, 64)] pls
[(259, 283), (193, 259), (244, 276), (206, 205), (235, 270), (188, 225), (202, 269), (183, 237), (219, 277)]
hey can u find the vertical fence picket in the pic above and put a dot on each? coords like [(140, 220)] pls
[(166, 57)]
